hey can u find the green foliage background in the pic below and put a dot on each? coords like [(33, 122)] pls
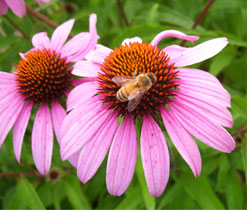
[(222, 183)]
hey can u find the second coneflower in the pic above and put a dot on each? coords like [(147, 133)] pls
[(42, 78), (138, 81)]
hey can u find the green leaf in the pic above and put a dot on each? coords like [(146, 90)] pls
[(153, 15), (234, 192), (224, 167), (28, 194), (244, 157), (74, 193), (239, 104), (148, 199), (202, 192), (222, 60)]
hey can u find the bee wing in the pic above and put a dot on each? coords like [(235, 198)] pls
[(134, 99), (122, 80)]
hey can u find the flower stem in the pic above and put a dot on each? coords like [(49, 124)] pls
[(17, 27), (199, 18), (120, 5)]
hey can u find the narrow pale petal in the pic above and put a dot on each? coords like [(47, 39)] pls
[(82, 130), (42, 140), (202, 127), (10, 108), (94, 152), (18, 7), (41, 40), (81, 93), (99, 54), (122, 158), (86, 69), (3, 8), (58, 115), (132, 40), (155, 156), (173, 33), (183, 141), (20, 127), (60, 35), (188, 56)]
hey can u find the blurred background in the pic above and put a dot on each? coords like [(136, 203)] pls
[(222, 183)]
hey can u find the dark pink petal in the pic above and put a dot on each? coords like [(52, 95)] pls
[(3, 8), (181, 56), (10, 108), (86, 69), (58, 115), (94, 152), (7, 80), (81, 129), (122, 158), (132, 40), (81, 93), (20, 127), (41, 40), (76, 82), (183, 141), (42, 139), (60, 35), (173, 33), (18, 7), (155, 156), (99, 54), (203, 127)]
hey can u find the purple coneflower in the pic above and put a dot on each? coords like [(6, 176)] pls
[(42, 78), (191, 102), (17, 6)]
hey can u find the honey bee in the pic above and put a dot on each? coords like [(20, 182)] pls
[(133, 88)]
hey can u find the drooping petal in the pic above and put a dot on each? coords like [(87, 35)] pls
[(155, 156), (58, 115), (73, 159), (122, 158), (86, 69), (132, 40), (173, 33), (42, 139), (83, 127), (94, 152), (41, 40), (202, 127), (18, 7), (10, 108), (20, 127), (60, 35), (7, 80), (99, 54), (3, 8), (183, 141), (89, 44), (181, 56), (81, 93)]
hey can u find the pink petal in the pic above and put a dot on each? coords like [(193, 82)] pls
[(183, 141), (38, 1), (73, 159), (18, 7), (86, 69), (41, 40), (80, 81), (60, 35), (7, 80), (173, 33), (122, 158), (42, 139), (3, 8), (99, 54), (155, 156), (81, 93), (132, 40), (202, 127), (58, 115), (90, 43), (81, 130), (10, 108), (94, 152), (181, 56), (20, 127)]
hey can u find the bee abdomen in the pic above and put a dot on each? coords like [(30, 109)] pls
[(121, 95)]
